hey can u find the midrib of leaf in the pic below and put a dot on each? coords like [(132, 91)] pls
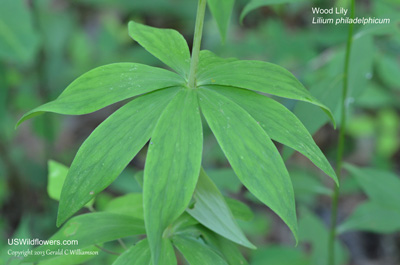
[(11, 39)]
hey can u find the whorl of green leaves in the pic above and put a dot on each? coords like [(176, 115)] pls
[(165, 112)]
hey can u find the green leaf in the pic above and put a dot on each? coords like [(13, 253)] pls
[(85, 229), (196, 252), (167, 253), (211, 210), (19, 41), (279, 123), (254, 4), (136, 255), (221, 11), (183, 223), (106, 85), (382, 187), (259, 76), (109, 149), (251, 153), (56, 178), (226, 248), (372, 217), (172, 166), (129, 204), (140, 254), (168, 45), (209, 59), (239, 210)]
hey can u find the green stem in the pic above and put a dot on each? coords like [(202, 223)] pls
[(341, 143), (198, 32)]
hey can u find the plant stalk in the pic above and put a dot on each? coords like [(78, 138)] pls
[(198, 32), (341, 142)]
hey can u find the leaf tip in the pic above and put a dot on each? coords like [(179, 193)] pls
[(251, 246), (242, 15), (59, 222), (20, 121)]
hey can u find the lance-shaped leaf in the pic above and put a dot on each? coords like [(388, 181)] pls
[(196, 252), (251, 153), (259, 76), (172, 166), (168, 45), (85, 228), (106, 85), (140, 254), (211, 210), (221, 11), (279, 123), (109, 149)]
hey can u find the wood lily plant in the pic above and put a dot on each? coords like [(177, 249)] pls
[(182, 207)]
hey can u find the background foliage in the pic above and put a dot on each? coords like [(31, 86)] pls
[(45, 44)]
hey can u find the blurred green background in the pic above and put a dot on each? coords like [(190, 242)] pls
[(46, 44)]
